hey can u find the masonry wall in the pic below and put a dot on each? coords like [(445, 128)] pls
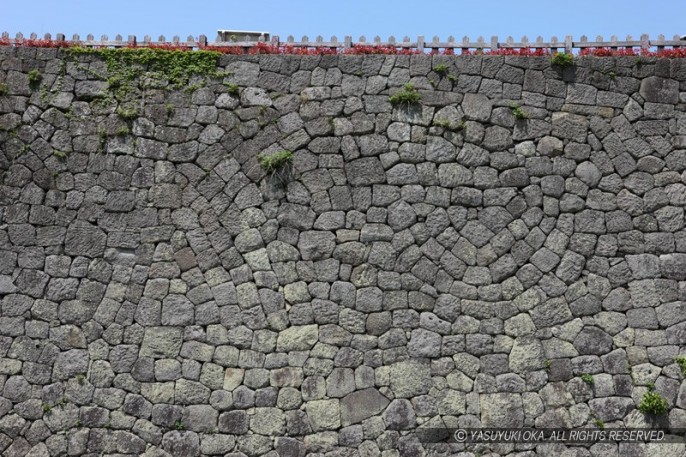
[(509, 252)]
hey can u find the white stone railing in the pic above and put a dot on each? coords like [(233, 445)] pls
[(568, 44)]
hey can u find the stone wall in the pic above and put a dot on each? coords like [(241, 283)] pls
[(508, 252)]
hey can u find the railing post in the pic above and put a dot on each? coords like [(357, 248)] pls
[(420, 43), (569, 44), (494, 43), (645, 42)]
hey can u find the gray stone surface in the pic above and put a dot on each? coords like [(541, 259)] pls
[(501, 410), (399, 415), (660, 90), (410, 378), (297, 338), (443, 264), (360, 405), (85, 240)]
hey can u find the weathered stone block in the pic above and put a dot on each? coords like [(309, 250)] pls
[(161, 342), (660, 90), (84, 240)]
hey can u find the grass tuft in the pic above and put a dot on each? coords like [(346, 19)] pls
[(275, 161), (562, 60), (653, 403), (407, 96)]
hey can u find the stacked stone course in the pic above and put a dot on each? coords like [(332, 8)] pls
[(451, 263)]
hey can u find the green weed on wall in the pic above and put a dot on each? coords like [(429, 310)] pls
[(177, 67)]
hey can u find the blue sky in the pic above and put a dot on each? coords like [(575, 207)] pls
[(349, 17)]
